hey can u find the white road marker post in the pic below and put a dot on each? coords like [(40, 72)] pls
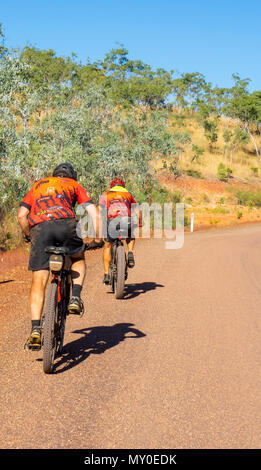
[(192, 222)]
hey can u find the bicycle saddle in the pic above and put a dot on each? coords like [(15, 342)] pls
[(57, 250)]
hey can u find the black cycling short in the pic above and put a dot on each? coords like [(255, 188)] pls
[(113, 227), (60, 232)]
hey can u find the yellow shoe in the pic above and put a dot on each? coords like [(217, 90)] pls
[(131, 262), (76, 306), (35, 339)]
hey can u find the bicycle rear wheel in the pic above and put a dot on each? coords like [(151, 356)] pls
[(49, 333), (113, 268), (112, 278), (63, 309), (120, 277)]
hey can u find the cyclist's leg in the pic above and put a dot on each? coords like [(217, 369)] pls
[(130, 242), (71, 240), (39, 281), (78, 270), (39, 265), (107, 256), (106, 261), (37, 295), (78, 275)]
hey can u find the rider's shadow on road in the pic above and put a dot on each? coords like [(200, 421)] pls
[(95, 340), (133, 290)]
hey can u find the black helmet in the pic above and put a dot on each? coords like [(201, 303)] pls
[(66, 170)]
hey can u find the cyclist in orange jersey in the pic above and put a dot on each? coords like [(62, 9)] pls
[(116, 205), (47, 217)]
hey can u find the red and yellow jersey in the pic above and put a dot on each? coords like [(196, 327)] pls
[(118, 202), (54, 198)]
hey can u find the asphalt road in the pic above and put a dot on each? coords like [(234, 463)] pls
[(176, 364)]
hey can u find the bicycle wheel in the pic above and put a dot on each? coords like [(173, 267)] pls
[(49, 333), (120, 277), (63, 309), (113, 267), (112, 277)]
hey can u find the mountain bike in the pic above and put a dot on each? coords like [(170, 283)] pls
[(58, 297), (118, 264), (56, 311)]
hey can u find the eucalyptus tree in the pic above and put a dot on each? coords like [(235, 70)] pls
[(133, 82), (234, 140), (244, 107), (189, 89)]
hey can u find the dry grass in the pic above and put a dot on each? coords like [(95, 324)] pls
[(10, 233), (242, 161)]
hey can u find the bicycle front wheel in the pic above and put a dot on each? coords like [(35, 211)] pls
[(120, 277), (49, 333)]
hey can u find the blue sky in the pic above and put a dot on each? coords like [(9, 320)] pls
[(216, 38)]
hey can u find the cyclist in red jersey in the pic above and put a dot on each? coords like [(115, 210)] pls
[(117, 203), (47, 217)]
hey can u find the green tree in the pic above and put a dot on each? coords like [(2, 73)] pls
[(3, 49), (189, 89), (245, 107), (209, 121), (46, 69), (134, 82)]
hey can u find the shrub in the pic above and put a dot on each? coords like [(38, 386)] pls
[(224, 173), (5, 241), (188, 200), (254, 170), (221, 201), (248, 198), (205, 198), (194, 173), (219, 210)]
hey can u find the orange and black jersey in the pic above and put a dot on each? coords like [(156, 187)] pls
[(54, 198), (118, 202)]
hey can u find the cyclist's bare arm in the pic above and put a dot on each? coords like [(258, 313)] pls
[(140, 219), (22, 217), (95, 215), (139, 215)]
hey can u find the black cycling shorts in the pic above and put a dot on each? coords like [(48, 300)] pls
[(113, 227), (60, 232)]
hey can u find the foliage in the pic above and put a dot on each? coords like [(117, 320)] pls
[(110, 117), (248, 198), (197, 152), (194, 173), (223, 172), (45, 121), (254, 170)]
